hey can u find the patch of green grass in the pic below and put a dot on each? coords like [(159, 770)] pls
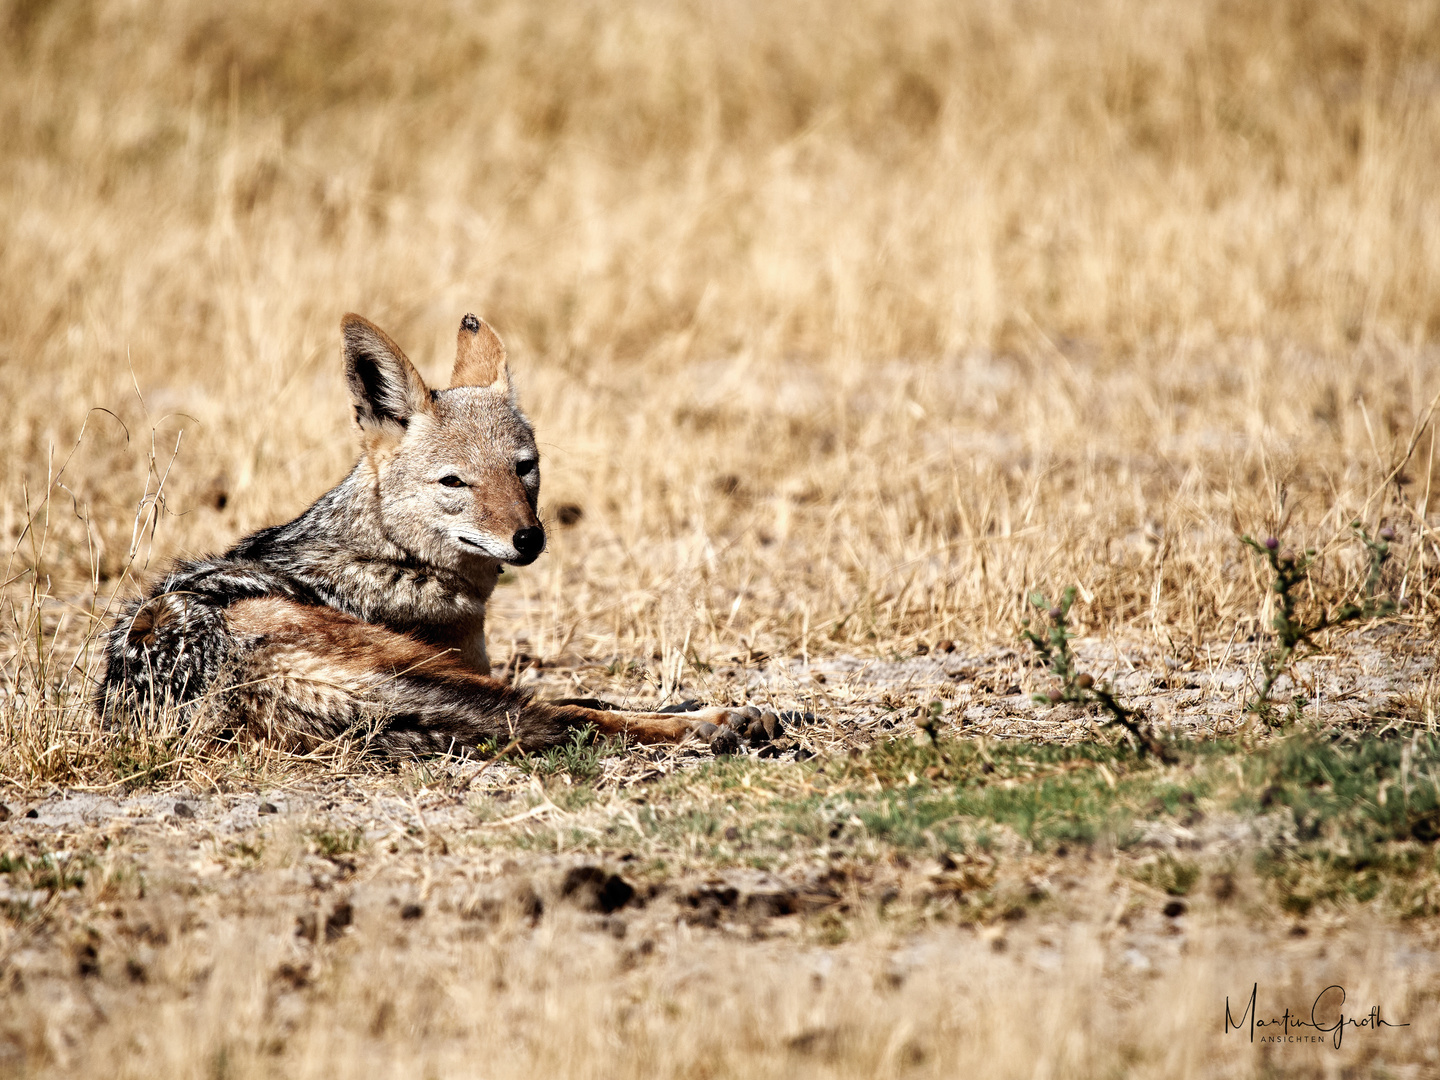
[(907, 761), (1048, 794), (570, 797), (1360, 816), (1378, 789), (1366, 818), (903, 795), (333, 842), (1172, 876), (46, 870), (248, 852)]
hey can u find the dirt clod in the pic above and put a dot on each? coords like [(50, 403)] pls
[(338, 920), (592, 888)]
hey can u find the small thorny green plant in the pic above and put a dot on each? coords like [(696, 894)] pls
[(1077, 687), (581, 758), (1294, 632)]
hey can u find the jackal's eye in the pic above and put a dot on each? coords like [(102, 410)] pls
[(453, 481), (525, 466)]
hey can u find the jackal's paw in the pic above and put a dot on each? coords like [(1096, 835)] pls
[(727, 730)]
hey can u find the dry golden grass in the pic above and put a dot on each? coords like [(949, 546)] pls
[(844, 326), (396, 930), (564, 1002)]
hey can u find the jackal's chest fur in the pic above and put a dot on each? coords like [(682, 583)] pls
[(438, 605), (450, 618)]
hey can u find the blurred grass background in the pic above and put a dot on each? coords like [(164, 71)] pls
[(841, 325)]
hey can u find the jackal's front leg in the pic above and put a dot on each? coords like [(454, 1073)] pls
[(309, 674), (721, 727)]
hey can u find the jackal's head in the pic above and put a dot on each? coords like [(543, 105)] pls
[(455, 471)]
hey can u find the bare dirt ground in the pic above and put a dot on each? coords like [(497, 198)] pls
[(692, 909)]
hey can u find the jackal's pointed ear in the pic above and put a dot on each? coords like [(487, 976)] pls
[(385, 386), (479, 356)]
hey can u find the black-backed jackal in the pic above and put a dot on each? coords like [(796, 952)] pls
[(368, 610)]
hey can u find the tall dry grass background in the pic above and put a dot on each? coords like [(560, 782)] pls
[(844, 325)]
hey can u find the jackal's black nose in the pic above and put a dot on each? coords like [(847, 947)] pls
[(529, 543)]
